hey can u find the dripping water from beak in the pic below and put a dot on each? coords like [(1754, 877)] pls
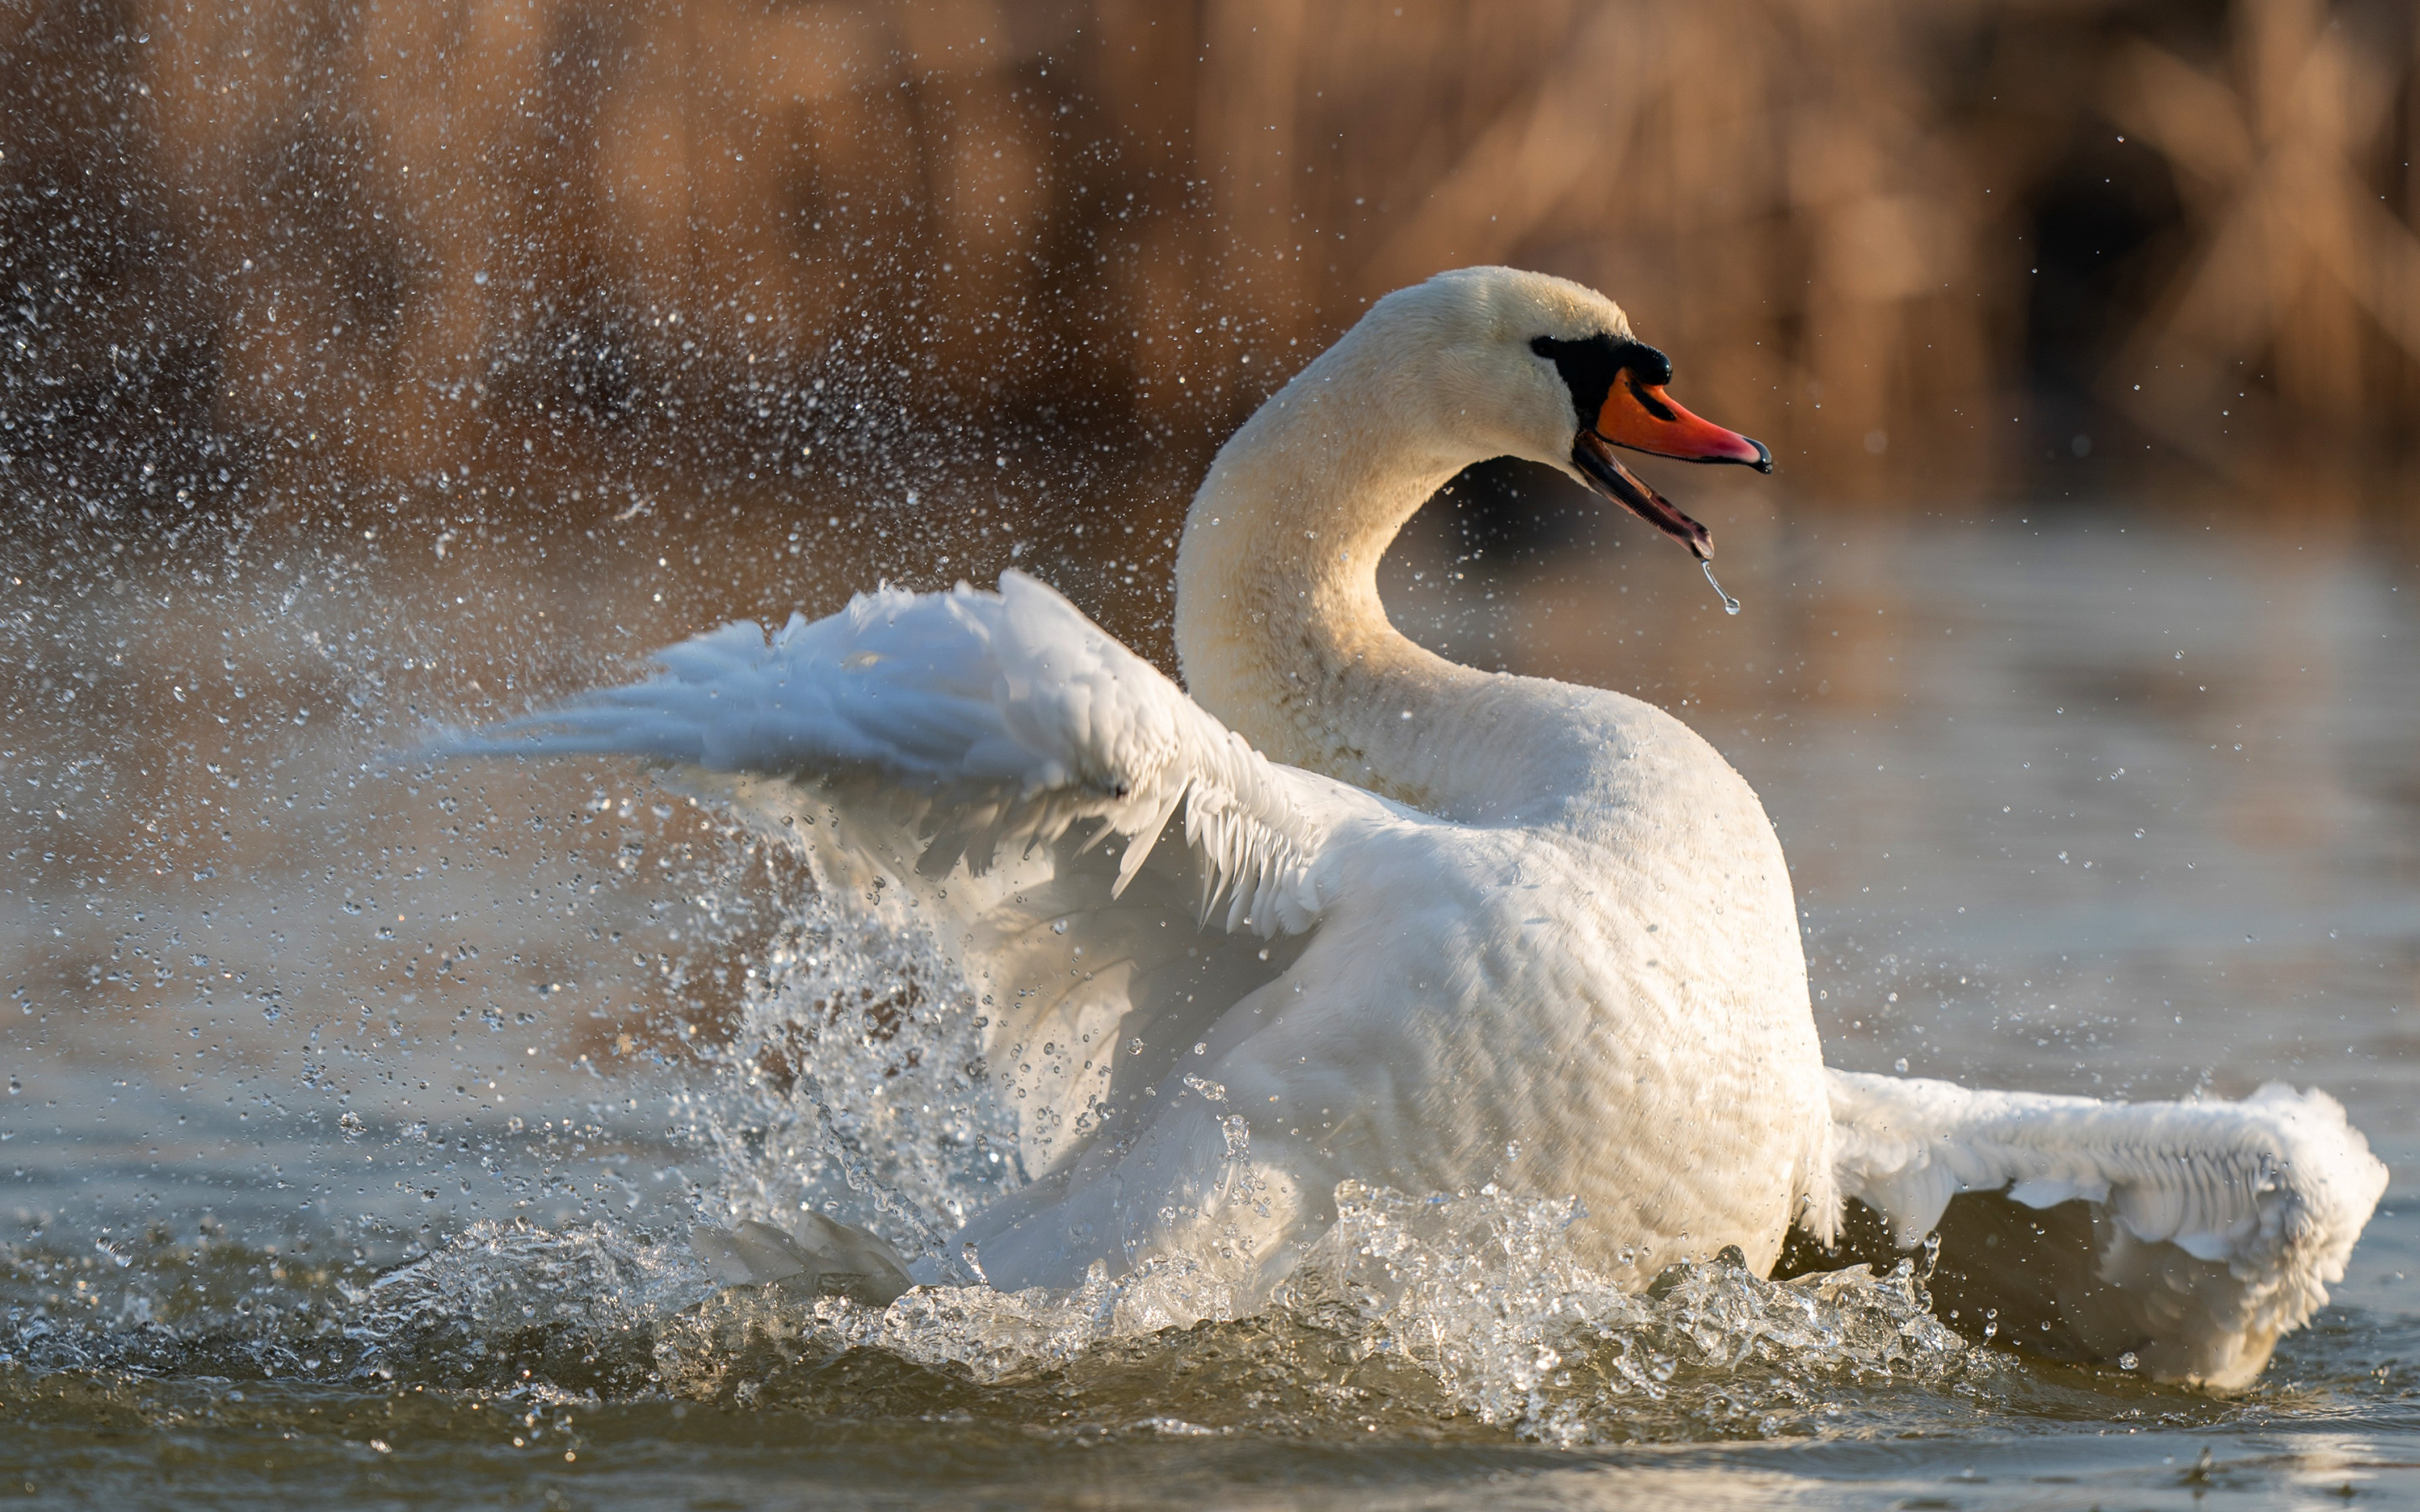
[(1731, 605)]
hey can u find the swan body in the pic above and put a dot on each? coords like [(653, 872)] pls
[(1350, 911)]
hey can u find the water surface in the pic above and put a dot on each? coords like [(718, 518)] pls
[(354, 1112)]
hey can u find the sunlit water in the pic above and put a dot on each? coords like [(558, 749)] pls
[(356, 1113)]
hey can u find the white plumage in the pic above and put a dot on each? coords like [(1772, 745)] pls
[(1440, 928), (1009, 713), (2206, 1228)]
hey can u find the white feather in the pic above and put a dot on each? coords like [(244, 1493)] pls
[(2251, 1206), (1010, 715)]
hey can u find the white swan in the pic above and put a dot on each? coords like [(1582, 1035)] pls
[(1353, 911)]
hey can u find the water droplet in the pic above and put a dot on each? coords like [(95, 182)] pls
[(1900, 1065), (1731, 605), (1238, 1134)]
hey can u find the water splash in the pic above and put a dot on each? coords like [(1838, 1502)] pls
[(1472, 1308), (1411, 1311), (1731, 605), (1486, 1294), (855, 1084), (507, 1303)]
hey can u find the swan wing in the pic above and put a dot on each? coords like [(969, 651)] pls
[(2189, 1235), (1106, 863)]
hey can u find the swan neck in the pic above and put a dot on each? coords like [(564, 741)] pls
[(1280, 627)]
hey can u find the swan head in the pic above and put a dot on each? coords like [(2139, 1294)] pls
[(1543, 368)]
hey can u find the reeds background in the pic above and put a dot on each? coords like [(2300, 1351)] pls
[(1930, 249)]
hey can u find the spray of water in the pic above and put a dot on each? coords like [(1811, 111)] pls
[(854, 1085)]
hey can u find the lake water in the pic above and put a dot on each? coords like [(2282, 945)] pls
[(353, 1113)]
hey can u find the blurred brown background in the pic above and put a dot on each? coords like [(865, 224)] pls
[(369, 364), (1932, 250)]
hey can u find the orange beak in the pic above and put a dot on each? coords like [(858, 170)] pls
[(1638, 415), (1623, 378), (1643, 418)]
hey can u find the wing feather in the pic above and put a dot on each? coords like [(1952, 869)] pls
[(1008, 717), (1017, 775), (2203, 1230)]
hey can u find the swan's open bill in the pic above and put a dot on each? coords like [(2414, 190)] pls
[(1352, 912)]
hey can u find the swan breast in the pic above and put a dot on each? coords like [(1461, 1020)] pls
[(1523, 1006)]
